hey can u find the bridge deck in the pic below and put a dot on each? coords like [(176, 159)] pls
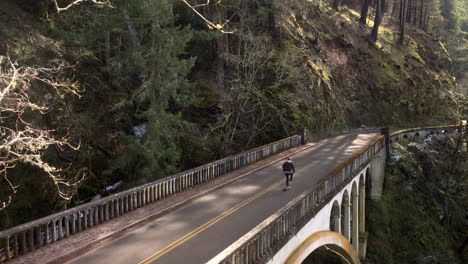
[(198, 231)]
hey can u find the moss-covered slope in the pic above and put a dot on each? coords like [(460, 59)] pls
[(421, 217), (367, 83)]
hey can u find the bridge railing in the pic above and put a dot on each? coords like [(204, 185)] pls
[(25, 238), (261, 243), (423, 131)]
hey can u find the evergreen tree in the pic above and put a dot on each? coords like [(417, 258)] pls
[(155, 56)]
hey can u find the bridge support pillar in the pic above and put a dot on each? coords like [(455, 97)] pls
[(355, 223), (377, 174), (337, 221), (362, 208), (386, 132), (346, 222)]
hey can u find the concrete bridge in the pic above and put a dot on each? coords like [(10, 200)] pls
[(230, 211)]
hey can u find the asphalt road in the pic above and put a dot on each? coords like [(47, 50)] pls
[(200, 230)]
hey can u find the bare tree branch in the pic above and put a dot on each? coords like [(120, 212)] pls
[(20, 140), (76, 2), (220, 26)]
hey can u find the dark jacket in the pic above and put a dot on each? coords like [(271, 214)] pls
[(288, 167)]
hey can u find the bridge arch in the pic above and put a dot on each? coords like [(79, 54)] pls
[(333, 241)]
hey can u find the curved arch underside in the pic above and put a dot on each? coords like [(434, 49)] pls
[(332, 240)]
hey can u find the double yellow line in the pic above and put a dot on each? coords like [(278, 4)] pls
[(200, 229)]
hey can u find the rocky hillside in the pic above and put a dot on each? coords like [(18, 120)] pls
[(363, 82)]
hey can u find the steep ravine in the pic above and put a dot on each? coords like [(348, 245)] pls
[(422, 216)]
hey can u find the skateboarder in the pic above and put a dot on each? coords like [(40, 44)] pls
[(288, 169)]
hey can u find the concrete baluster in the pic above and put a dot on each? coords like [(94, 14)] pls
[(177, 185), (122, 204), (96, 215), (143, 197), (196, 177), (126, 202), (131, 201), (151, 194), (85, 218), (158, 191), (138, 199), (7, 248), (15, 245), (146, 199), (23, 243), (73, 223), (30, 235), (67, 226), (39, 238), (59, 228), (101, 213), (106, 210), (91, 217), (166, 185), (111, 209)]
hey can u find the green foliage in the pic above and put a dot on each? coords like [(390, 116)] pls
[(161, 90), (447, 11), (414, 184)]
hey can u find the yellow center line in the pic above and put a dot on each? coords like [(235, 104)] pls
[(213, 221)]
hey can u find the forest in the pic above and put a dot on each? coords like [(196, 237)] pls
[(97, 96)]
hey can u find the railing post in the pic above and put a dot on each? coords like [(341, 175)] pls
[(304, 137), (386, 132)]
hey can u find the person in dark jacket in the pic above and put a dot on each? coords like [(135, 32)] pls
[(288, 169)]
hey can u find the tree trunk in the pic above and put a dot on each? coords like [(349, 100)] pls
[(403, 7), (408, 11), (425, 17), (222, 49), (415, 12), (336, 4), (421, 14), (364, 12), (396, 4), (107, 47), (379, 13)]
